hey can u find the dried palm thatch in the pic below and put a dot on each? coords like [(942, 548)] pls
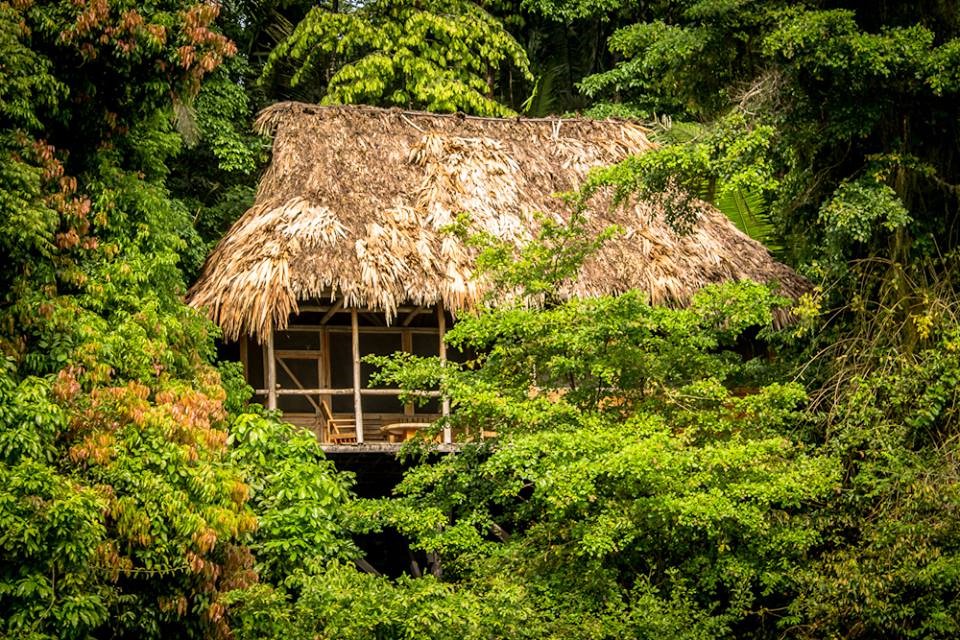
[(357, 201)]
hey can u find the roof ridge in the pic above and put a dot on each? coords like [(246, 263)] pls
[(309, 108)]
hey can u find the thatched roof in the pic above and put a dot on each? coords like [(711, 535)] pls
[(357, 201)]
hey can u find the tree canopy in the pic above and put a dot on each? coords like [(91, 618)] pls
[(656, 472)]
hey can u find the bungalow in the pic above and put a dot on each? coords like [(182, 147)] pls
[(347, 251)]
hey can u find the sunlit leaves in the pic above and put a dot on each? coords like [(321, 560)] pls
[(722, 161), (439, 56), (858, 211), (821, 91), (297, 493), (619, 453), (119, 504)]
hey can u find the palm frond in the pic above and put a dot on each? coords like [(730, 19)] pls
[(750, 212), (544, 98)]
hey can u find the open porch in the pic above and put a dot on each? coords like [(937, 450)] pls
[(313, 371)]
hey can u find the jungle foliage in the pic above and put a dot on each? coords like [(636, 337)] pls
[(690, 473), (126, 506)]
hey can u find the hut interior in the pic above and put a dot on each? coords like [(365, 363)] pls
[(313, 371)]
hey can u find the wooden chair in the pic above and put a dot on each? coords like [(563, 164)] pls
[(337, 430)]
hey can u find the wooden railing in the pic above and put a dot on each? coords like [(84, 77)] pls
[(274, 357), (348, 392)]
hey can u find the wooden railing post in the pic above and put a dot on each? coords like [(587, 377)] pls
[(445, 401), (271, 372), (357, 399)]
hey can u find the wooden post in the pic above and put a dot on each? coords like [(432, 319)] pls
[(323, 352), (357, 401), (445, 402), (271, 372), (406, 345), (264, 374), (245, 356), (326, 376)]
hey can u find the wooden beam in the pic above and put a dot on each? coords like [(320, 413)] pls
[(349, 392), (429, 331), (399, 392), (299, 384), (323, 308), (297, 354), (329, 314), (413, 314), (271, 373), (445, 402), (381, 447), (322, 391), (357, 400)]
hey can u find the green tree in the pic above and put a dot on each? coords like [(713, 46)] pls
[(841, 117), (124, 511), (836, 114), (439, 55), (639, 484)]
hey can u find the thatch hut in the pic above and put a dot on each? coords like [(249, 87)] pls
[(346, 251)]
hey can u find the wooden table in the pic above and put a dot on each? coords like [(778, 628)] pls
[(402, 431)]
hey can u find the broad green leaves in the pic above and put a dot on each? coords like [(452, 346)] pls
[(122, 510), (624, 471), (726, 162), (296, 493), (439, 55), (858, 211)]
